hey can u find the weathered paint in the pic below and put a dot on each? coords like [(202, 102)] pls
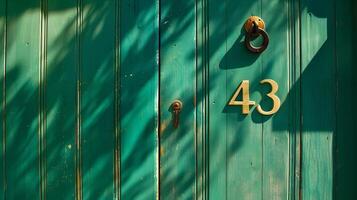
[(138, 99), (77, 94), (60, 104), (22, 101), (2, 92), (177, 45), (249, 155), (87, 86), (318, 98), (345, 163)]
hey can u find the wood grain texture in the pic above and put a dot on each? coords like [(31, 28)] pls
[(235, 140), (139, 98), (201, 101), (318, 86), (2, 92), (249, 155), (345, 163), (61, 99), (177, 81), (97, 98), (82, 117), (22, 84), (295, 100), (276, 65)]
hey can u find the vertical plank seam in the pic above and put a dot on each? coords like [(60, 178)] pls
[(200, 29), (294, 47), (297, 80), (292, 130), (196, 123), (157, 108), (117, 148), (226, 95), (203, 105), (200, 101), (78, 156), (289, 46), (4, 102), (42, 107), (201, 140), (334, 136), (157, 98), (262, 118), (159, 101), (206, 93), (300, 125), (205, 97)]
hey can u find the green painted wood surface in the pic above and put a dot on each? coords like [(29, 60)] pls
[(60, 103), (229, 131), (2, 64), (249, 155), (22, 101), (318, 98), (177, 82), (81, 99), (139, 99), (201, 105), (276, 135), (89, 84), (345, 164), (97, 98)]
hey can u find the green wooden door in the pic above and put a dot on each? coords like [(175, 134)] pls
[(79, 99), (87, 88), (304, 151), (295, 153)]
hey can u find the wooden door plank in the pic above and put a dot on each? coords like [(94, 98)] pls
[(244, 145), (177, 82), (22, 100), (97, 34), (217, 92), (318, 86), (235, 139), (139, 99), (61, 99), (276, 65), (345, 164), (201, 102), (295, 100), (2, 101)]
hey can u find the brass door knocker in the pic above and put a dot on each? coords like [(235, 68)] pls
[(255, 27), (176, 108)]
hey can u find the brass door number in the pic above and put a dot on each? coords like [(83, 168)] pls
[(246, 102)]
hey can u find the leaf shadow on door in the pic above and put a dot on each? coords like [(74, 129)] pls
[(138, 73), (95, 53), (323, 96), (80, 79), (324, 82)]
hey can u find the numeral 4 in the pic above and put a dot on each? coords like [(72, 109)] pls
[(245, 103)]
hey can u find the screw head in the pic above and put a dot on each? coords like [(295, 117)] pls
[(250, 22)]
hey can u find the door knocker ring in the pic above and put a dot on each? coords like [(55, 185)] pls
[(254, 27)]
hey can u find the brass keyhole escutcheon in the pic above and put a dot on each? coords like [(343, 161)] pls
[(254, 20), (176, 108)]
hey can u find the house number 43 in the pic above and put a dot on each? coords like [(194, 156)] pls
[(246, 102)]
